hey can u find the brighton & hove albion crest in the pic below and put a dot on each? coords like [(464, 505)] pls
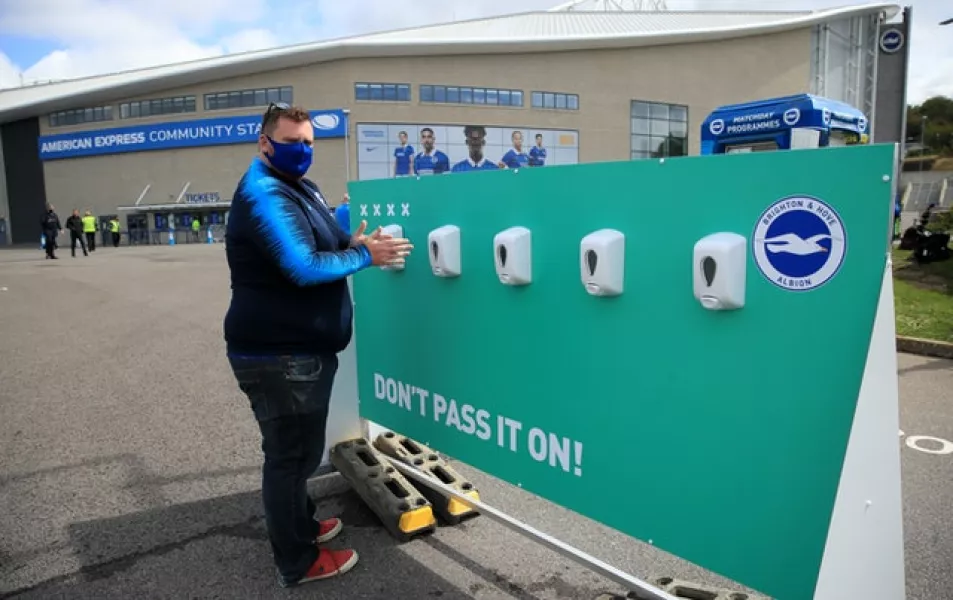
[(799, 243)]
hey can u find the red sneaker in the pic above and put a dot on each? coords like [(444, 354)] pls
[(329, 564), (329, 528)]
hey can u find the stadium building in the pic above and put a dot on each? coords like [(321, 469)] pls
[(586, 81)]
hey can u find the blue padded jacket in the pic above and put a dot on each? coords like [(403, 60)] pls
[(289, 260)]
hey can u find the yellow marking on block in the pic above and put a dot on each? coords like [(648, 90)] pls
[(457, 508), (417, 519)]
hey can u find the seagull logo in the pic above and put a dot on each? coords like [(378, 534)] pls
[(799, 243), (793, 244), (326, 121)]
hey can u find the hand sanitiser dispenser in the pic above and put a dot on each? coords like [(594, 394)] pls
[(443, 246), (719, 266), (395, 231), (512, 250), (602, 262)]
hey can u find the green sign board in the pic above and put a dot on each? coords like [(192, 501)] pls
[(718, 435)]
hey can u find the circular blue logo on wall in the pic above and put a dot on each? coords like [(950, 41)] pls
[(891, 40), (799, 243)]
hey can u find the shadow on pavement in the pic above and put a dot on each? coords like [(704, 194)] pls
[(218, 548)]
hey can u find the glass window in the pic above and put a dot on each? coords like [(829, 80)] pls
[(640, 109), (504, 97), (167, 105), (362, 91), (274, 95), (377, 91), (659, 146), (248, 97), (492, 97), (426, 93), (390, 92), (98, 113), (178, 104), (572, 102), (453, 95), (658, 111), (466, 95), (134, 110), (144, 108), (561, 101), (287, 95), (479, 96), (516, 98), (440, 93), (403, 92), (658, 129), (536, 99), (549, 100), (88, 115)]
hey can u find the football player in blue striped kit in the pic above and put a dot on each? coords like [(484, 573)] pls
[(430, 161), (537, 154), (476, 140), (516, 157), (403, 157)]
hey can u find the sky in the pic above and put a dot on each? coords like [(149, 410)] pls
[(42, 40)]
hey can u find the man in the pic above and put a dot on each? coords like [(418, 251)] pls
[(75, 225), (537, 154), (476, 139), (290, 315), (89, 229), (196, 225), (114, 230), (515, 157), (431, 161), (50, 226), (403, 156)]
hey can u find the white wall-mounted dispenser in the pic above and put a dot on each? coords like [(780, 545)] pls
[(396, 231), (719, 264), (443, 247), (512, 253), (602, 262)]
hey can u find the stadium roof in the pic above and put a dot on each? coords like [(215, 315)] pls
[(527, 32)]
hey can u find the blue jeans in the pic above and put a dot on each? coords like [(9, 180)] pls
[(289, 396)]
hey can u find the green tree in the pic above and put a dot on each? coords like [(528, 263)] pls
[(936, 114)]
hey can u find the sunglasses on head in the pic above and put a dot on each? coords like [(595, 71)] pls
[(274, 107)]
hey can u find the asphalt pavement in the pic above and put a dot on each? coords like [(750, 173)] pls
[(131, 463)]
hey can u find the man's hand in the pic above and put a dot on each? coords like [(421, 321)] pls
[(359, 236)]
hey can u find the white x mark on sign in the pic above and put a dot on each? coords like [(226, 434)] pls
[(363, 210), (405, 209), (390, 210), (377, 210)]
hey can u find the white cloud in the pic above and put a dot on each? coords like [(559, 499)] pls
[(100, 36)]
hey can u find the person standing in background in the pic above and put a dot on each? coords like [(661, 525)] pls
[(75, 225), (114, 230), (89, 229), (342, 214), (537, 154), (196, 225), (50, 225)]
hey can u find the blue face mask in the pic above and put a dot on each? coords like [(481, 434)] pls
[(292, 159)]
